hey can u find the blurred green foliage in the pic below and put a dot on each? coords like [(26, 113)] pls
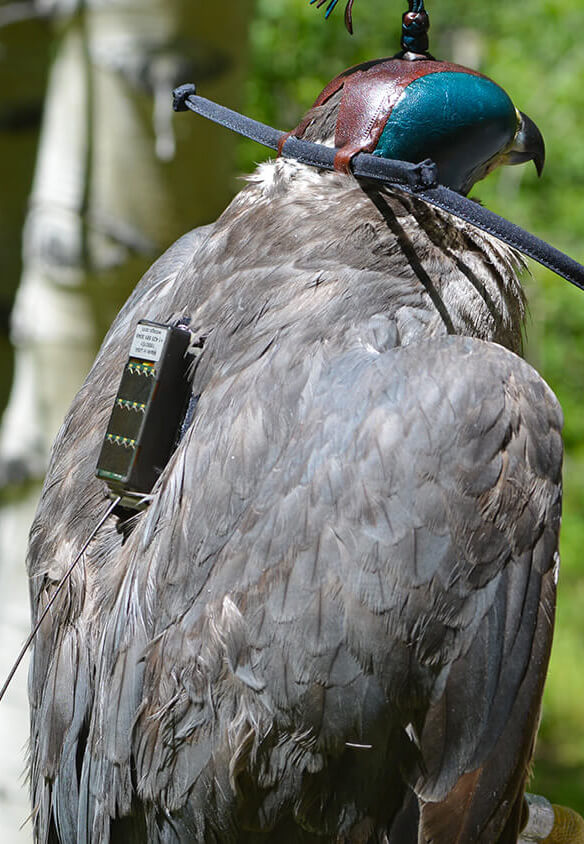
[(533, 49)]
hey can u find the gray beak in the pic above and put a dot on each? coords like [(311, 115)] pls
[(528, 145)]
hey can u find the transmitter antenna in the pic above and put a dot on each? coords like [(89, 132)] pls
[(113, 504)]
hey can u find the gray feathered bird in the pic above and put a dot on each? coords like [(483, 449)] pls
[(333, 621)]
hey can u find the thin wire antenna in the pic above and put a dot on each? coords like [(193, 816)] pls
[(55, 594)]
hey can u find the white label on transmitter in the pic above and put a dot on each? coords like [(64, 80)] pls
[(148, 342)]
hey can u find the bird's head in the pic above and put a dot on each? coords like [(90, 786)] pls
[(416, 109)]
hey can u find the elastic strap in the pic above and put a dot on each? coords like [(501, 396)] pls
[(418, 179), (510, 233), (416, 176)]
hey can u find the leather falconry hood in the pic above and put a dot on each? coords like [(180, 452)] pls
[(411, 107), (427, 127)]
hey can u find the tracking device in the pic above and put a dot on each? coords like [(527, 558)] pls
[(148, 412)]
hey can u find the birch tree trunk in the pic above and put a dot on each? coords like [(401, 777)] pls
[(117, 179)]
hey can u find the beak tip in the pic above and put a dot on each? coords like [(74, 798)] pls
[(532, 142)]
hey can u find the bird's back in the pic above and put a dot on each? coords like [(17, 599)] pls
[(347, 567)]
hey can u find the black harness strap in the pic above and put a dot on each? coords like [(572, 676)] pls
[(416, 176), (418, 179), (510, 233)]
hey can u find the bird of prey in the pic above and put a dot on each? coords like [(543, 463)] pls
[(332, 621)]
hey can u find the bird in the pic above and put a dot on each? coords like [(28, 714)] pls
[(332, 621)]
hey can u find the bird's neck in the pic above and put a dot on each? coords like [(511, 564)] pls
[(361, 249)]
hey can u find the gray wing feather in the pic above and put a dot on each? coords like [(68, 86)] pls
[(327, 549), (298, 593), (60, 687)]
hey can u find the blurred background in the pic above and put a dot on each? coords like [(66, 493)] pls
[(97, 177)]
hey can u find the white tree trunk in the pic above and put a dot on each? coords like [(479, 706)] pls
[(117, 178)]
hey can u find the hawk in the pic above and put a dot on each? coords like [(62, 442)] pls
[(332, 622)]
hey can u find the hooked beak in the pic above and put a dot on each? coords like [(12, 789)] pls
[(528, 145)]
